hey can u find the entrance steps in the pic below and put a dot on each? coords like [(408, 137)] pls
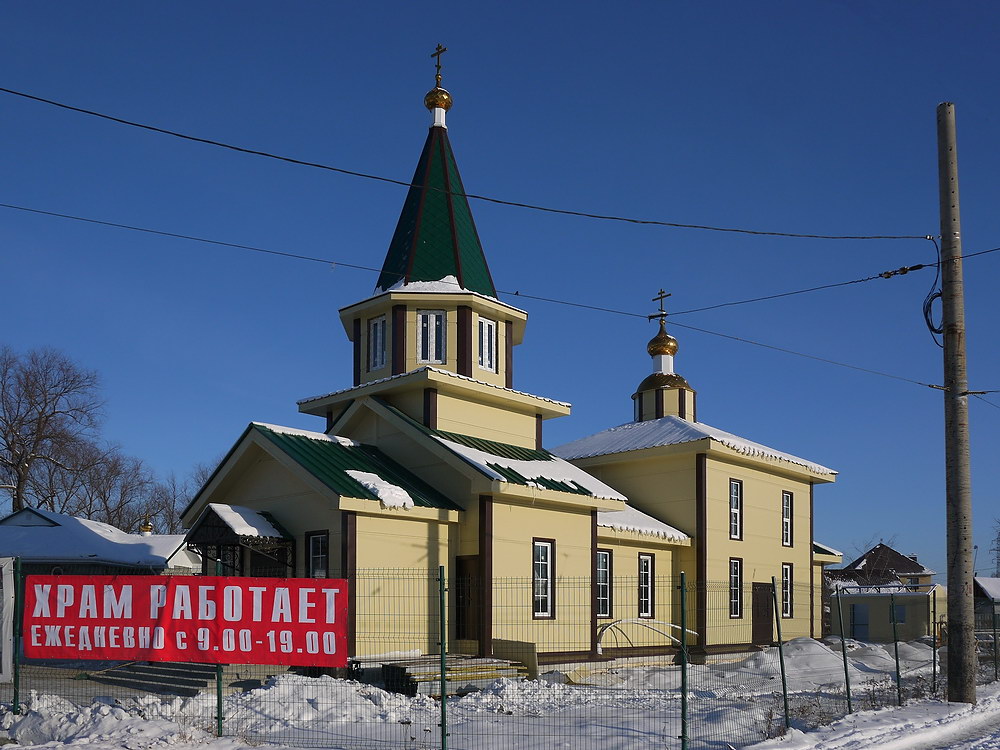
[(175, 678), (421, 675)]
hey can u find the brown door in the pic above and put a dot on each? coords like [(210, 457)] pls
[(762, 615), (466, 585)]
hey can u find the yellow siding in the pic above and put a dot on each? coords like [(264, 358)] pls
[(485, 421)]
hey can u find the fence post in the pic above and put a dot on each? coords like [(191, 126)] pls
[(443, 627), (218, 700), (843, 650), (781, 650), (895, 645), (18, 607), (932, 603), (996, 667), (684, 665)]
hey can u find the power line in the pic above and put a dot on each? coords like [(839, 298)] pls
[(987, 401), (498, 201), (884, 275)]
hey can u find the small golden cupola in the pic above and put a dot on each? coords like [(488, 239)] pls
[(663, 393)]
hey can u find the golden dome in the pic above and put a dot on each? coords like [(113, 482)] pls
[(438, 98), (663, 380), (662, 343)]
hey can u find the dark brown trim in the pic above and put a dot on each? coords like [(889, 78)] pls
[(658, 406), (349, 570), (463, 349), (593, 583), (729, 589), (682, 403), (694, 406), (398, 339), (701, 532), (486, 575), (456, 250), (307, 552), (538, 431), (329, 421), (552, 575), (356, 328), (729, 510), (508, 365), (639, 406), (431, 408), (652, 584), (812, 570), (791, 590), (791, 518)]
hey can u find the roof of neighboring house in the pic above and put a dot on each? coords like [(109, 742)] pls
[(436, 238), (653, 433), (990, 587), (882, 559), (37, 535), (354, 469), (529, 467), (246, 522), (633, 519)]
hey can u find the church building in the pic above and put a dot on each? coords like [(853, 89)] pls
[(432, 458)]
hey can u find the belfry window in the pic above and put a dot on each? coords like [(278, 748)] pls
[(488, 344), (376, 343), (431, 336)]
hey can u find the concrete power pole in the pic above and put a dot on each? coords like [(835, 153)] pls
[(961, 632)]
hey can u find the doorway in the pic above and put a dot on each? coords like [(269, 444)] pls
[(762, 615)]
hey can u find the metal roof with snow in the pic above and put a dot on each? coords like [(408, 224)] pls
[(671, 430)]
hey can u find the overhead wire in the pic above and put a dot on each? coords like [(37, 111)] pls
[(473, 196), (334, 263)]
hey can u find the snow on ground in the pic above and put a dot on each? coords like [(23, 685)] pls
[(618, 705)]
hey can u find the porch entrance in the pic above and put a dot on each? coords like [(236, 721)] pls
[(467, 592), (762, 615)]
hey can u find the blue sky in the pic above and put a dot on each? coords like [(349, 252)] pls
[(798, 117)]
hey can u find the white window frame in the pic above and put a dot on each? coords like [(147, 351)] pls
[(314, 570), (432, 336), (735, 588), (646, 583), (376, 343), (736, 509), (487, 344), (602, 583), (542, 578), (787, 582), (787, 509)]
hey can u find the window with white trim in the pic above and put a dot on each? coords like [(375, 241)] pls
[(602, 584), (317, 554), (645, 585), (786, 519), (488, 344), (543, 574), (431, 336), (735, 509), (786, 589), (376, 343), (735, 587)]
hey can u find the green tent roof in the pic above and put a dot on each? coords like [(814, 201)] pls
[(436, 235), (329, 460)]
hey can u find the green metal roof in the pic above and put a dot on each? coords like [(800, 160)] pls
[(329, 460), (436, 235)]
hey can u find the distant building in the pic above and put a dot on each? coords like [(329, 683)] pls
[(55, 543), (883, 566)]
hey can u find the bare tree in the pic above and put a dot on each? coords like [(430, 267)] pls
[(49, 407)]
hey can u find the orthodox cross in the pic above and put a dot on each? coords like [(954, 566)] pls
[(438, 51), (662, 314)]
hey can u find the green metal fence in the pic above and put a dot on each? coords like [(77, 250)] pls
[(663, 663)]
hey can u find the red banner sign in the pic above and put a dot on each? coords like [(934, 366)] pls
[(292, 621)]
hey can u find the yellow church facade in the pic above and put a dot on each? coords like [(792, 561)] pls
[(431, 458)]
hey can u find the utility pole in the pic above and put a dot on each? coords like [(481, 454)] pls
[(961, 633)]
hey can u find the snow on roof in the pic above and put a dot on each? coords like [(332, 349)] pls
[(671, 430), (990, 587), (825, 549), (430, 369), (555, 469), (391, 495), (633, 519), (245, 521), (71, 539), (306, 433)]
